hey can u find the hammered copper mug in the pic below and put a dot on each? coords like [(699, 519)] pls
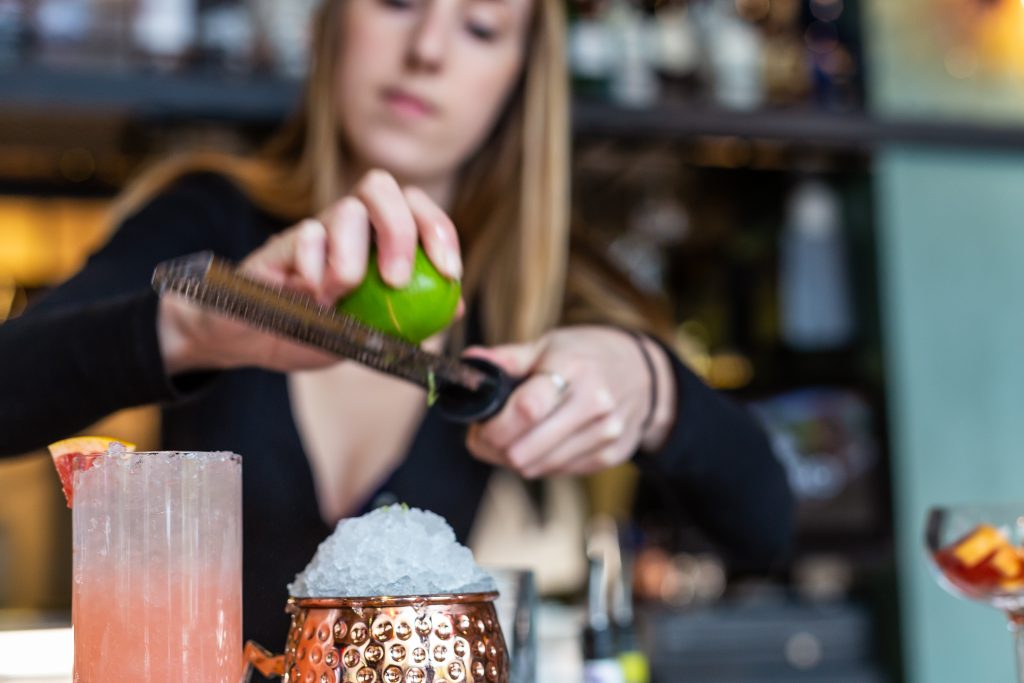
[(411, 639)]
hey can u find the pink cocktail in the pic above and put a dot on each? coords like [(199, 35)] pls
[(157, 593)]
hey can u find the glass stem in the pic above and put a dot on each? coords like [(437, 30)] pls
[(1017, 628)]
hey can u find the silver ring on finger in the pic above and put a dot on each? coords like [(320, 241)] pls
[(560, 382)]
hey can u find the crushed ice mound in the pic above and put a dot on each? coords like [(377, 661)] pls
[(391, 551)]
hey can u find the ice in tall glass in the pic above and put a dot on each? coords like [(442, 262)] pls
[(157, 594)]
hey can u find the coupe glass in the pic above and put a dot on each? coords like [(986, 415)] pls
[(977, 552)]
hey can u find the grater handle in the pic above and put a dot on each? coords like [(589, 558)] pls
[(459, 405)]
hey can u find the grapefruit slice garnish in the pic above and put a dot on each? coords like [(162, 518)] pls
[(78, 454)]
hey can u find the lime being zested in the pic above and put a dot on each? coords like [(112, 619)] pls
[(419, 310)]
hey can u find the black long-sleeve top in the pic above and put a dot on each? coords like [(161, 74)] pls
[(90, 348)]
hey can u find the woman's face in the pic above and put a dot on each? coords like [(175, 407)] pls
[(421, 82)]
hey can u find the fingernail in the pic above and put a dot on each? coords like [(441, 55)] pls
[(314, 267), (399, 271), (453, 264)]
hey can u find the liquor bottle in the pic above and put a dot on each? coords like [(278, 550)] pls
[(677, 57), (591, 53), (632, 659), (735, 56), (165, 30), (787, 68), (816, 301), (14, 31), (633, 81), (600, 659)]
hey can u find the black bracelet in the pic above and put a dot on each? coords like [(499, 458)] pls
[(649, 362)]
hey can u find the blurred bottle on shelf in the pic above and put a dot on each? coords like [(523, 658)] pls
[(632, 659), (834, 69), (735, 56), (611, 648), (67, 30), (285, 29), (591, 49), (14, 31), (226, 38), (600, 659), (164, 31), (223, 35), (611, 52), (815, 299), (633, 81), (677, 55), (600, 655), (787, 72)]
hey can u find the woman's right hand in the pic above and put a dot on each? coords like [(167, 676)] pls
[(324, 257)]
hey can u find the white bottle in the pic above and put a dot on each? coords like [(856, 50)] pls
[(165, 28), (677, 51), (634, 83), (735, 50), (816, 304), (591, 49)]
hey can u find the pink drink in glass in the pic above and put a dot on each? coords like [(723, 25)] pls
[(157, 593)]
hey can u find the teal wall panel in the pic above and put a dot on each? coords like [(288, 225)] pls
[(951, 243)]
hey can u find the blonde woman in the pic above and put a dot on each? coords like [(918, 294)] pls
[(434, 122)]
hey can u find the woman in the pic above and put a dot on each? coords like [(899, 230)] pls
[(419, 116)]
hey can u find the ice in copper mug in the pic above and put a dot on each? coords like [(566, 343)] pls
[(391, 597)]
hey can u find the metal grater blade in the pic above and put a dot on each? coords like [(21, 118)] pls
[(215, 284)]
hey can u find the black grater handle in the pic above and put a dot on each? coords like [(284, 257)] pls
[(462, 406)]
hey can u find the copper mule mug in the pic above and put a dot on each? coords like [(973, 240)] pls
[(412, 639)]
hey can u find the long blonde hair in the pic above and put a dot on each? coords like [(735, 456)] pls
[(511, 205)]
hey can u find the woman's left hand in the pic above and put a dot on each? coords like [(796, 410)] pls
[(581, 407)]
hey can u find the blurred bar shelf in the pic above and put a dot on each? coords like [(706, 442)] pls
[(800, 127), (254, 99), (245, 99)]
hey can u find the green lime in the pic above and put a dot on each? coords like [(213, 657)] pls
[(422, 308)]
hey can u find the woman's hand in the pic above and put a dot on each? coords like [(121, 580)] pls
[(582, 405), (324, 257)]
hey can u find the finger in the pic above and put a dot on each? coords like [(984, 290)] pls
[(309, 246), (393, 224), (589, 463), (294, 258), (535, 400), (436, 232), (581, 407), (595, 442), (481, 450), (518, 360), (274, 261), (348, 246)]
